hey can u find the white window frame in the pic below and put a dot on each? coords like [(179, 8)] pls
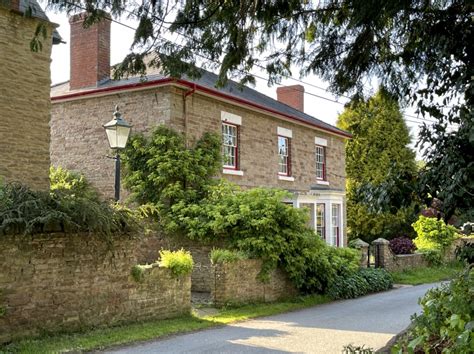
[(320, 153), (234, 147), (324, 227), (286, 156), (328, 199)]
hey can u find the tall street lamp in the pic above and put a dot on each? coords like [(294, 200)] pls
[(118, 131)]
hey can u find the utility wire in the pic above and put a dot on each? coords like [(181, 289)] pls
[(418, 120)]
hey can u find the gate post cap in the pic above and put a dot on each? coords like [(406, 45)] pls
[(381, 241), (358, 243)]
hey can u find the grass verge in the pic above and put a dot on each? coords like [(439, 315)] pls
[(426, 275), (126, 334)]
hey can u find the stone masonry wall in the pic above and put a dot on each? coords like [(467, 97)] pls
[(24, 102), (258, 143), (79, 142), (62, 282), (237, 282), (201, 277)]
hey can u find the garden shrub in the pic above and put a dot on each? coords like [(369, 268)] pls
[(433, 233), (23, 210), (219, 255), (357, 284), (402, 245), (465, 252), (178, 181), (433, 257), (178, 262), (348, 287), (378, 279), (447, 322)]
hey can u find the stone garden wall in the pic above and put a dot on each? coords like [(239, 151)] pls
[(59, 282), (202, 272), (237, 282)]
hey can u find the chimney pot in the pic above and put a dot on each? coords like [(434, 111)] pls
[(90, 52), (292, 96)]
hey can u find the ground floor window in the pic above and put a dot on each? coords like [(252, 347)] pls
[(325, 216), (321, 220), (335, 224)]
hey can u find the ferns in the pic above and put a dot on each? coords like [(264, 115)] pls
[(25, 211)]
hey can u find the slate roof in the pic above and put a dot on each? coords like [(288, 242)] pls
[(37, 11), (209, 80)]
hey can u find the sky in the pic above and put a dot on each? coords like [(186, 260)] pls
[(121, 40)]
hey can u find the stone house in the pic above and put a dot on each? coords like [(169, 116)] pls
[(24, 94), (266, 142)]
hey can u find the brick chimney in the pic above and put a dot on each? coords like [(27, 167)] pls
[(15, 5), (292, 96), (90, 52)]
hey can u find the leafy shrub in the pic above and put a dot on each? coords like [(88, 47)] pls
[(348, 287), (465, 252), (447, 321), (433, 233), (361, 283), (177, 181), (378, 279), (25, 211), (71, 183), (226, 256), (402, 245), (138, 271), (179, 262), (433, 257)]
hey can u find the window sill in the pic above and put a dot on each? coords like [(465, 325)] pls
[(286, 178), (228, 171), (325, 183)]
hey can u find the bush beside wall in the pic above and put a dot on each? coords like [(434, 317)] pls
[(66, 282)]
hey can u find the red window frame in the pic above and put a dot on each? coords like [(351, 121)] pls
[(324, 162), (237, 145), (288, 157)]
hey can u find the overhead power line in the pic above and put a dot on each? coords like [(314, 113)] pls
[(414, 119)]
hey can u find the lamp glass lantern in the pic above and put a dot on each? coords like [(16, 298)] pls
[(118, 131)]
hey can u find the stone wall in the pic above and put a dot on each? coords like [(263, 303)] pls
[(201, 277), (258, 155), (24, 101), (60, 282), (385, 258), (79, 142), (237, 282)]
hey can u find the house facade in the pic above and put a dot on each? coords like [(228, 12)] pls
[(24, 94), (265, 142)]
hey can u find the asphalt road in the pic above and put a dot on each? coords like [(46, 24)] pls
[(371, 320)]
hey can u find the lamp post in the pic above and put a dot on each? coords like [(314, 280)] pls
[(118, 131)]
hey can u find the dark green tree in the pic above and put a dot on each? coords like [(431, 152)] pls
[(421, 51), (378, 153)]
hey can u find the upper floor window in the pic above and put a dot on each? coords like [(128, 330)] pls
[(230, 145), (284, 156), (320, 163)]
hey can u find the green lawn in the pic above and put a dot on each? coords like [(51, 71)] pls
[(426, 275), (106, 337)]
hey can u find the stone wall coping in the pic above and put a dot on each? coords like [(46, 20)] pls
[(358, 243), (380, 241)]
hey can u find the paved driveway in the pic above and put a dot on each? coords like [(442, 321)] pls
[(371, 320)]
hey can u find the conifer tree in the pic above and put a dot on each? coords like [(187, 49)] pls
[(377, 153)]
